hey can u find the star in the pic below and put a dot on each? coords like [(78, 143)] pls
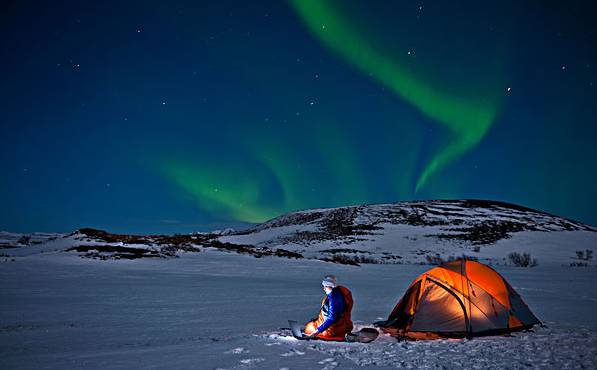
[(563, 68), (508, 89)]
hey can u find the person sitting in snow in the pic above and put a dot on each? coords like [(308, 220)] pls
[(333, 322)]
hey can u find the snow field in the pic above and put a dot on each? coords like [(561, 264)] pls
[(215, 310)]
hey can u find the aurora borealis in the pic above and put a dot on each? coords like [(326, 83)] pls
[(468, 119), (184, 116)]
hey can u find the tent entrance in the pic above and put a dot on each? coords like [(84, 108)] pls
[(440, 310), (402, 314)]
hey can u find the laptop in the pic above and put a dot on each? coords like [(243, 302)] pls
[(296, 329)]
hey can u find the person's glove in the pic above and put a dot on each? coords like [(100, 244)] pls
[(310, 336)]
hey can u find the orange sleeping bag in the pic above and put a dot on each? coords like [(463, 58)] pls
[(338, 329)]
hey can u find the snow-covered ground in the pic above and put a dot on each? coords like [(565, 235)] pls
[(216, 306), (213, 310)]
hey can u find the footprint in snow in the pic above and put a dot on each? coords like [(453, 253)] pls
[(330, 366), (248, 361), (293, 352), (237, 351), (329, 363)]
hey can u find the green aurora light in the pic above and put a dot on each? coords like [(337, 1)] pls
[(222, 189), (278, 180), (283, 178), (468, 119)]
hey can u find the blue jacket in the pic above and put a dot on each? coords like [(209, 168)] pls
[(332, 309)]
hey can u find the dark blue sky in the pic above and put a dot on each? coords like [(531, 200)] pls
[(181, 115)]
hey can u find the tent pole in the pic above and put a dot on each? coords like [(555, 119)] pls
[(469, 330)]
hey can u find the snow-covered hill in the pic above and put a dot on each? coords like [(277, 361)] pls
[(405, 232), (415, 232), (13, 240)]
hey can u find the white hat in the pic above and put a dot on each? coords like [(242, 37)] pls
[(329, 281)]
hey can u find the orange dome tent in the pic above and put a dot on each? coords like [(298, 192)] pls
[(460, 298)]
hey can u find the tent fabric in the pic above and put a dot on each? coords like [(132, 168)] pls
[(459, 298), (439, 310), (519, 309), (486, 312)]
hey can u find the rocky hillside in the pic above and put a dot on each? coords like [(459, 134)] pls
[(405, 232), (413, 231)]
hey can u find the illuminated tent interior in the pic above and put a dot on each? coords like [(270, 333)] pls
[(461, 298)]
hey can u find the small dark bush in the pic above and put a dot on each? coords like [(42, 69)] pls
[(585, 255), (463, 257), (347, 259), (344, 250), (579, 264), (341, 258), (105, 252), (434, 259), (522, 259), (24, 240)]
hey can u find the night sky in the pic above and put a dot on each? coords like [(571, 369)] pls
[(179, 116)]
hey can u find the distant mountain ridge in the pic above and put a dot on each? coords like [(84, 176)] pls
[(503, 216), (410, 232), (403, 232)]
